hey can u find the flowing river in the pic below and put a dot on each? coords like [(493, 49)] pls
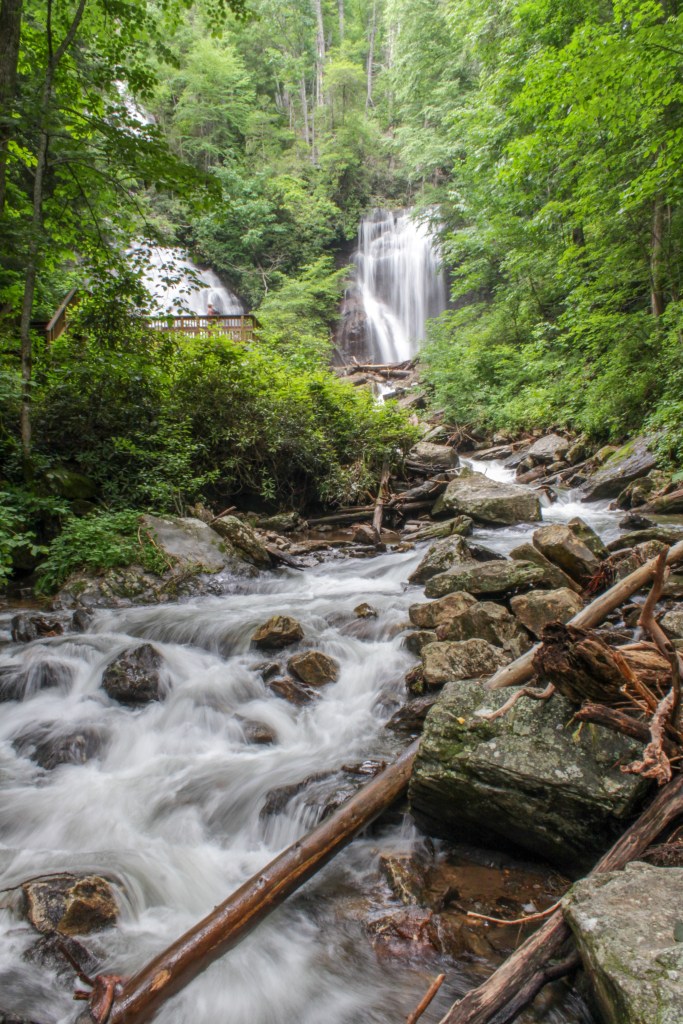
[(171, 804)]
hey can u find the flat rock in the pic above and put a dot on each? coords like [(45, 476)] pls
[(460, 659), (487, 578), (192, 542), (487, 501), (433, 458), (431, 614), (539, 607), (314, 668), (551, 448), (627, 463), (134, 677), (282, 522), (69, 904), (565, 549), (243, 540), (555, 577), (279, 631), (486, 620), (527, 780), (440, 557), (628, 927)]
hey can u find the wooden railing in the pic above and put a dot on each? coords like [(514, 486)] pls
[(240, 328)]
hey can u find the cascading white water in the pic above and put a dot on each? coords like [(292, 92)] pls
[(398, 282), (179, 286)]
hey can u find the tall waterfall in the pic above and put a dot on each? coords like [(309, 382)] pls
[(179, 286), (398, 285)]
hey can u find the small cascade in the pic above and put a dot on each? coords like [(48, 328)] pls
[(179, 286), (398, 285)]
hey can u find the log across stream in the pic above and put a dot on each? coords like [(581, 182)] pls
[(176, 806)]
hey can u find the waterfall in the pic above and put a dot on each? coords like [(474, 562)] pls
[(177, 285), (398, 285)]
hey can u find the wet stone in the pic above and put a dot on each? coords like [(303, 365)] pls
[(58, 953), (414, 680), (415, 642), (292, 690), (440, 557), (314, 668), (134, 677), (403, 933), (466, 659), (26, 627), (490, 578), (279, 631), (406, 875), (365, 611), (410, 718), (257, 733), (69, 904), (431, 614), (50, 751), (18, 684)]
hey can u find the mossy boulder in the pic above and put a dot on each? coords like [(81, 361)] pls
[(440, 557), (460, 659), (487, 501), (493, 578), (630, 462), (529, 780)]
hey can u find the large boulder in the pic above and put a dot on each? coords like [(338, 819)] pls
[(539, 607), (555, 577), (628, 463), (277, 632), (440, 557), (465, 659), (551, 448), (134, 677), (193, 543), (314, 668), (432, 458), (628, 927), (486, 620), (493, 578), (70, 904), (487, 501), (431, 614), (672, 622), (565, 549), (528, 779), (243, 541)]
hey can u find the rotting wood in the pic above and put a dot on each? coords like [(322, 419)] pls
[(138, 998), (521, 670), (517, 980), (426, 999), (382, 493)]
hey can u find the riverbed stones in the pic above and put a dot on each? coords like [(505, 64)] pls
[(539, 607), (588, 536), (562, 546), (487, 621), (314, 668), (50, 749), (279, 631), (628, 463), (243, 540), (365, 611), (527, 780), (672, 622), (460, 659), (487, 501), (415, 642), (440, 557), (491, 578), (431, 614), (410, 718), (26, 627), (70, 904), (554, 575), (292, 690), (134, 676), (628, 926), (432, 458), (548, 449)]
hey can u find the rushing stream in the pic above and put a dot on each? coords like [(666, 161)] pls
[(171, 805)]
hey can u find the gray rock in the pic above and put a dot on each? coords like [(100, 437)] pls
[(50, 748), (462, 525), (440, 557), (565, 549), (588, 536), (134, 677), (364, 534), (27, 626), (192, 543), (314, 668), (431, 614), (555, 577), (527, 780), (552, 448), (70, 904), (628, 463), (487, 501), (279, 631), (415, 642), (672, 623), (432, 458), (283, 522), (665, 534), (487, 578), (627, 926), (487, 621), (463, 659), (410, 718), (243, 540), (539, 607)]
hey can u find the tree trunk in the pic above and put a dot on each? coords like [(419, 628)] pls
[(10, 34), (341, 20), (371, 54), (319, 52), (657, 298), (304, 110), (142, 995)]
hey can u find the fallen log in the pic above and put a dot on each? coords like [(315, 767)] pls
[(521, 971), (521, 670), (280, 558), (138, 998)]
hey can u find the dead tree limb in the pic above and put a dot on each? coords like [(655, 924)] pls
[(621, 722), (139, 997), (382, 495), (592, 615), (426, 999), (516, 976)]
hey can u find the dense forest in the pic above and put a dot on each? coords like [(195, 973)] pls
[(543, 139)]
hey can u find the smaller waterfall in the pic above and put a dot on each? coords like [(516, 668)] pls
[(177, 285), (398, 285)]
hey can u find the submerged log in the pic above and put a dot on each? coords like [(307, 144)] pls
[(138, 998), (521, 971), (522, 669)]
